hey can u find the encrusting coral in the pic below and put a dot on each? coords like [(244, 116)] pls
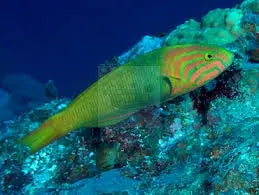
[(251, 5), (219, 26)]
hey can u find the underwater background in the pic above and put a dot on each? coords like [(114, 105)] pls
[(61, 40), (205, 142)]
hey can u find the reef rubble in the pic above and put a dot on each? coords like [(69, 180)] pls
[(205, 142)]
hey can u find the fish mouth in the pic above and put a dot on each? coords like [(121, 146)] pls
[(229, 58)]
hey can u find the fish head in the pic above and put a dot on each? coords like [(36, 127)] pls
[(215, 61), (217, 54), (192, 66)]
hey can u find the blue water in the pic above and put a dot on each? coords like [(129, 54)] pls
[(66, 40)]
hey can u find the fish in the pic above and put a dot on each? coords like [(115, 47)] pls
[(149, 79)]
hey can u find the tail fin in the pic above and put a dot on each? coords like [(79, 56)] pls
[(41, 137)]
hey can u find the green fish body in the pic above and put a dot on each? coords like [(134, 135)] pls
[(152, 78)]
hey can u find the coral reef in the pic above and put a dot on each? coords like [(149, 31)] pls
[(205, 142), (221, 26), (147, 44), (251, 5)]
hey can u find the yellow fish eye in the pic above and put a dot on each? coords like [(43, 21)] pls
[(208, 56)]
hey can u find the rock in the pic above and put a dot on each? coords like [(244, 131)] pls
[(4, 98), (5, 111), (107, 156), (25, 91), (147, 44)]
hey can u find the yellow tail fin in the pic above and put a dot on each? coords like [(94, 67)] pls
[(41, 137)]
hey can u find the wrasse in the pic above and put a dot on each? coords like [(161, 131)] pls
[(152, 78)]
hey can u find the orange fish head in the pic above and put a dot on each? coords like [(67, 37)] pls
[(216, 60), (192, 66)]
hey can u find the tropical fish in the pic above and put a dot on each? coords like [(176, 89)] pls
[(149, 79)]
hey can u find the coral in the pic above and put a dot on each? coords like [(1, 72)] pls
[(185, 33), (220, 26), (228, 19), (249, 27), (225, 86), (107, 156), (250, 5), (13, 178), (250, 17), (108, 66), (217, 36), (147, 44)]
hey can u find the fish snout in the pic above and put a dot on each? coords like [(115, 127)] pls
[(227, 58)]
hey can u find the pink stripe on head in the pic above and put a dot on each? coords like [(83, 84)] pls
[(177, 51), (205, 68), (191, 66), (208, 77), (180, 62)]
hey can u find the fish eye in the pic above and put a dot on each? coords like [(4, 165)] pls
[(208, 56)]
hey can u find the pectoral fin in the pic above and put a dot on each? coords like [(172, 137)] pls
[(171, 81)]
